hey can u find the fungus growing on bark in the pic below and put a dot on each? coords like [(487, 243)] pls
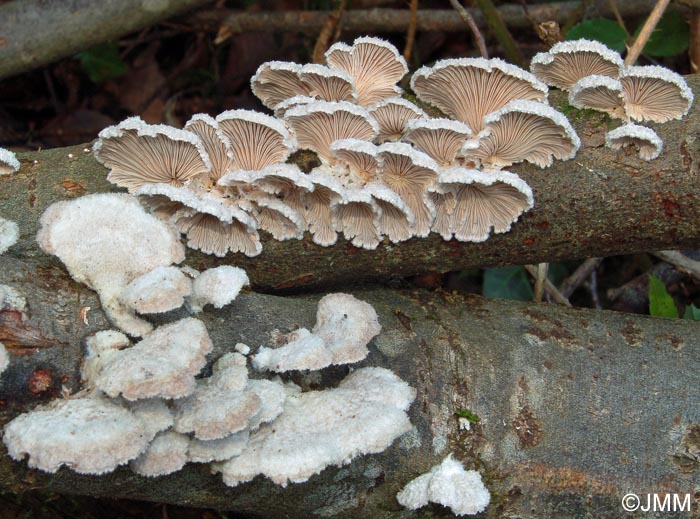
[(327, 84), (391, 115), (316, 206), (568, 61), (275, 81), (345, 422), (360, 158), (644, 139), (89, 435), (654, 93), (75, 232), (524, 130), (9, 234), (375, 65), (162, 365), (467, 89), (160, 290), (217, 286), (304, 352), (441, 139), (8, 162), (216, 144), (138, 153), (447, 484), (205, 451), (356, 215), (167, 453), (601, 93), (4, 358), (395, 217), (281, 108)]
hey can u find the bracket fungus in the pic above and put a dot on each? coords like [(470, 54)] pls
[(276, 81), (8, 162), (9, 234), (158, 291), (441, 139), (392, 115), (447, 484), (217, 286), (644, 139), (328, 84), (654, 93), (601, 93), (167, 453), (4, 358)]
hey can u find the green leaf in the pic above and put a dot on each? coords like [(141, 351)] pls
[(670, 37), (661, 304), (600, 29), (692, 313), (468, 415), (507, 283), (102, 62)]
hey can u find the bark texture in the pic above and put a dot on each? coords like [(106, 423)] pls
[(600, 203)]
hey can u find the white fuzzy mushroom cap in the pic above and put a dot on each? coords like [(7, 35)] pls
[(89, 435), (160, 290), (450, 485), (654, 93), (275, 81), (645, 139), (343, 423), (274, 179), (346, 325), (75, 231), (204, 451), (217, 286), (568, 61), (216, 144), (308, 351), (4, 358), (8, 162), (154, 413), (601, 93), (166, 454), (441, 139), (162, 365), (327, 83), (391, 115), (272, 395), (281, 108), (9, 234)]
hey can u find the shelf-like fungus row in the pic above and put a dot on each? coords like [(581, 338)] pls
[(597, 78), (222, 180)]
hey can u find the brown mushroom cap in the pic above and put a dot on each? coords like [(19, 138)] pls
[(601, 93), (138, 153), (357, 217), (328, 84), (467, 89), (213, 236), (395, 218), (392, 114), (569, 61), (643, 138), (360, 157), (654, 93), (275, 81), (315, 207), (274, 216), (441, 139), (375, 64), (216, 144), (524, 130)]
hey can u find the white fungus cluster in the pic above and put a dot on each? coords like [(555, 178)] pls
[(596, 78), (9, 231), (226, 178), (447, 484), (8, 162)]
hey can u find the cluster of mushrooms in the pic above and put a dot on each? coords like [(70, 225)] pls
[(596, 77), (386, 169)]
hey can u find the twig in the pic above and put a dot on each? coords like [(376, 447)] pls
[(593, 287), (510, 48), (694, 45), (327, 32), (542, 269), (469, 20), (571, 283), (549, 287), (618, 17), (680, 261), (411, 33), (644, 35)]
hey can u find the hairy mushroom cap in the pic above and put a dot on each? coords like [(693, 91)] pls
[(450, 485), (645, 139), (138, 153), (90, 435), (395, 218), (601, 93), (343, 423), (275, 81), (392, 115), (160, 290), (166, 454), (316, 125), (346, 325), (410, 173), (216, 144), (375, 64), (162, 365), (360, 157), (654, 93), (524, 130), (568, 61), (154, 413), (8, 162), (327, 83), (467, 89), (4, 358), (205, 451), (483, 201), (307, 351), (9, 234), (257, 140), (441, 139), (357, 217), (217, 286), (282, 107), (75, 231)]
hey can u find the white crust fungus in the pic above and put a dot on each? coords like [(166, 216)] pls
[(217, 286), (204, 451), (9, 234), (645, 139), (4, 358), (166, 454), (160, 290), (8, 162), (97, 236), (345, 423), (447, 484), (89, 435), (307, 351)]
